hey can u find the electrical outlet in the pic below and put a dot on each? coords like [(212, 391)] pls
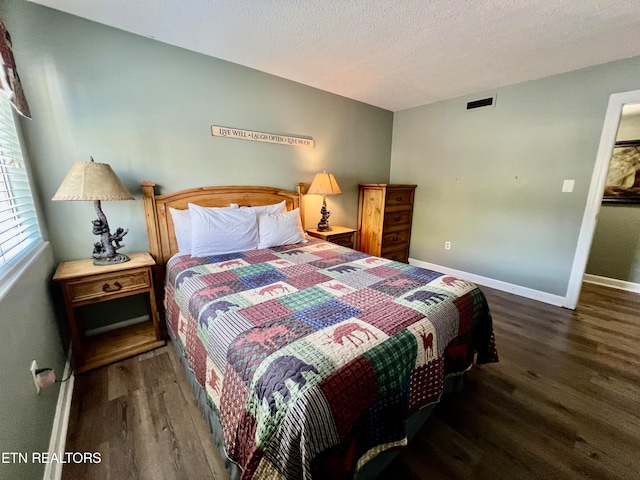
[(34, 367), (447, 245)]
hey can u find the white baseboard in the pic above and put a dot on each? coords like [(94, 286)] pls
[(53, 470), (545, 297), (612, 282)]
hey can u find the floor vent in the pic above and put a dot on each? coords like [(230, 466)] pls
[(484, 102)]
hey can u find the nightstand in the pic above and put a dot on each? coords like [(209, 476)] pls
[(339, 235), (84, 283)]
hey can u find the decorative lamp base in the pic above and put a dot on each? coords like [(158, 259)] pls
[(323, 224), (118, 258), (324, 227), (104, 251)]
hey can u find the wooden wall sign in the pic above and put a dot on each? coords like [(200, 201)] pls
[(228, 132)]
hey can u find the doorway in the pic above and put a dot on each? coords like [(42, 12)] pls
[(594, 198)]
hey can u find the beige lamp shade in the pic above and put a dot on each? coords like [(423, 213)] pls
[(92, 181), (324, 184)]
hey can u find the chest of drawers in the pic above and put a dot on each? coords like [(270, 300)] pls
[(385, 212)]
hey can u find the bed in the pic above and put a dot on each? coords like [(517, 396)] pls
[(308, 359)]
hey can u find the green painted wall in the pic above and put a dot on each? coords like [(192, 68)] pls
[(30, 328), (147, 108), (629, 128), (489, 180), (615, 252), (29, 331)]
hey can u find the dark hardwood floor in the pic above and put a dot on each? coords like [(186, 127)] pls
[(563, 403), (141, 416)]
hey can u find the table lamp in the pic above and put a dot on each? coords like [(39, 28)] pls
[(324, 184), (93, 181)]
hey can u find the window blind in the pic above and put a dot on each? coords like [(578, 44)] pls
[(19, 230)]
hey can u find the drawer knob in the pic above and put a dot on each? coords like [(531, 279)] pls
[(395, 239), (108, 288), (396, 219), (398, 199)]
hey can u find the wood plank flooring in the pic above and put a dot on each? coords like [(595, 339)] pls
[(141, 416), (563, 403)]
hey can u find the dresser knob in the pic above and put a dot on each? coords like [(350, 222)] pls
[(398, 199), (396, 219), (107, 288)]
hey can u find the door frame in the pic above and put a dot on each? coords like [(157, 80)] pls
[(594, 198)]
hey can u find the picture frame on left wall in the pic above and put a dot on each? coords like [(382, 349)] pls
[(623, 177)]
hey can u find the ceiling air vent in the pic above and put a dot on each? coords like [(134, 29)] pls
[(483, 102)]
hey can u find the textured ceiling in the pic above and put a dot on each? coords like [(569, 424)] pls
[(394, 54)]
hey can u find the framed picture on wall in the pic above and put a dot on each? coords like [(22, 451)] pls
[(623, 177)]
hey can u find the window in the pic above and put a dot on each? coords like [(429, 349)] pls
[(19, 230)]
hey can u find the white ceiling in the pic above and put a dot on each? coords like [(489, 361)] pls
[(394, 54)]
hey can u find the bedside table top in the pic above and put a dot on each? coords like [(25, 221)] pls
[(85, 267), (335, 230)]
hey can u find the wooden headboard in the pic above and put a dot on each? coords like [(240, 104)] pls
[(160, 231), (162, 239)]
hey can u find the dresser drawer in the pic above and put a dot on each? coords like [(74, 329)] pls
[(395, 239), (399, 197), (398, 254), (397, 220), (104, 286)]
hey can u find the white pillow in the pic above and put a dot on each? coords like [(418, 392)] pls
[(182, 227), (216, 231), (280, 229), (275, 208)]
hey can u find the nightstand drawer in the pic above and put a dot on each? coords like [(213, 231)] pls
[(344, 240), (104, 286), (343, 236)]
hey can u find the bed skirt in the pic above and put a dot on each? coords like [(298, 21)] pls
[(370, 470), (212, 419)]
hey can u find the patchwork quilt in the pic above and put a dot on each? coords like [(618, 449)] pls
[(313, 355)]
